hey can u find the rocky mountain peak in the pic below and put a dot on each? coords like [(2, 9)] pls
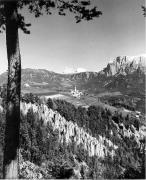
[(125, 65)]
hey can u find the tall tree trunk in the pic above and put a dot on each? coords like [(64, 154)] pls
[(10, 164)]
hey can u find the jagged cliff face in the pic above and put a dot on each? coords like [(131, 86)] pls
[(40, 81), (70, 132), (125, 65)]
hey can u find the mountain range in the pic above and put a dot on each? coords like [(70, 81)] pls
[(99, 135), (121, 66), (125, 75)]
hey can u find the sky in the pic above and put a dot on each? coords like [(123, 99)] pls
[(57, 43)]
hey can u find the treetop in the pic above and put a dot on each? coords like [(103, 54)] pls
[(82, 10)]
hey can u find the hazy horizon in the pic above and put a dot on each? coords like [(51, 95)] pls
[(57, 43)]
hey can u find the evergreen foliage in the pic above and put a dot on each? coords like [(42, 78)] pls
[(40, 145), (81, 9)]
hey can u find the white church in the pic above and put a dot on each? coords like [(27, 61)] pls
[(76, 93)]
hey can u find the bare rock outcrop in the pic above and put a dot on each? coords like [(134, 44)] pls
[(125, 65), (71, 132)]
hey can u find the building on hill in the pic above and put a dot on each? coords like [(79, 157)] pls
[(76, 93)]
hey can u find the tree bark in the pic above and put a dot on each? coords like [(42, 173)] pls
[(10, 163)]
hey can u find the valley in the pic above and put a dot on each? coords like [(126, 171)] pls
[(83, 125), (72, 89)]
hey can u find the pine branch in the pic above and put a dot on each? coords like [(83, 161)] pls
[(144, 10)]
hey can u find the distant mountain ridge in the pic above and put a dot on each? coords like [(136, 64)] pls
[(33, 76), (125, 65), (123, 73), (104, 139)]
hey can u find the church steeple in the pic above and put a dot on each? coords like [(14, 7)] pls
[(75, 89)]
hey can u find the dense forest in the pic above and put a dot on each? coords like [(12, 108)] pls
[(40, 145), (131, 102)]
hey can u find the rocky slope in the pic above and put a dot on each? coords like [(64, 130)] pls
[(125, 75), (47, 79), (70, 131), (125, 65)]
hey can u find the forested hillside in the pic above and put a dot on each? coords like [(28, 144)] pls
[(59, 140)]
